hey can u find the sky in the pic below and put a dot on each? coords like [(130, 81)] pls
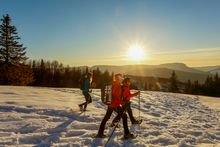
[(100, 32)]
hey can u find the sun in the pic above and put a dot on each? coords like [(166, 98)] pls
[(136, 52)]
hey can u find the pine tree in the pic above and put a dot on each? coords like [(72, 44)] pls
[(11, 51), (173, 83), (13, 70), (97, 77), (216, 77), (188, 87), (106, 77), (196, 87)]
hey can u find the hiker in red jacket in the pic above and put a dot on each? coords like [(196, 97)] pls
[(127, 96), (118, 105)]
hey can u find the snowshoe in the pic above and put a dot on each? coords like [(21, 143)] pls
[(81, 108), (137, 122), (84, 109)]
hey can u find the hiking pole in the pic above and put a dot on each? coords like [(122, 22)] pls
[(139, 103), (139, 86), (111, 135)]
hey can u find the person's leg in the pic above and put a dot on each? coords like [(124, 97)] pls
[(129, 110), (105, 119), (127, 133), (120, 111), (87, 98), (123, 115), (84, 103), (117, 117)]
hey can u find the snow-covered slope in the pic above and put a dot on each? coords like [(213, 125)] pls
[(31, 116)]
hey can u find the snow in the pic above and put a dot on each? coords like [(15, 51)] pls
[(211, 102), (35, 116)]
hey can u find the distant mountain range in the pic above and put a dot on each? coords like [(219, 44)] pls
[(210, 69), (183, 72)]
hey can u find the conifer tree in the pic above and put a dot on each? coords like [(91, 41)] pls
[(13, 70), (11, 51), (188, 87), (173, 83)]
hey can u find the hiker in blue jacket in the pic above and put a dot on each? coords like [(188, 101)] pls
[(86, 85)]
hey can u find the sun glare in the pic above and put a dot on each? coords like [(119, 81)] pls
[(136, 52)]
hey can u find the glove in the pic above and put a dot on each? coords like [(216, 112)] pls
[(127, 103), (137, 93)]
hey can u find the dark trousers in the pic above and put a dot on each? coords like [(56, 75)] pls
[(87, 98), (128, 109), (121, 114)]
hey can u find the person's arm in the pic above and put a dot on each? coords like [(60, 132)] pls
[(135, 94), (127, 94)]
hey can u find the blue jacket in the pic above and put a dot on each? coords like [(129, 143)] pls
[(87, 85)]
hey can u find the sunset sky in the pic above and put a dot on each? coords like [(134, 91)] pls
[(97, 32)]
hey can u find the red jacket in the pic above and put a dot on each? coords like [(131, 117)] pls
[(117, 95), (127, 94)]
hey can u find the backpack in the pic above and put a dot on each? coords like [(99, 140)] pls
[(106, 93), (82, 83)]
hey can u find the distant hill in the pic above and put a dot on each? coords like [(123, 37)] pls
[(183, 72), (210, 69), (181, 67), (214, 71)]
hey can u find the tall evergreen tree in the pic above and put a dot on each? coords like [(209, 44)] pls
[(13, 70), (188, 87), (216, 77), (106, 77), (97, 75), (11, 51), (196, 87), (173, 83)]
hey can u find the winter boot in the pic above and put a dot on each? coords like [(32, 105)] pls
[(100, 136), (129, 136)]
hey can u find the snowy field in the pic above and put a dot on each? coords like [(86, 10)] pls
[(31, 116)]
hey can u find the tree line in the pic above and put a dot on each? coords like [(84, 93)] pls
[(55, 74), (211, 86)]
